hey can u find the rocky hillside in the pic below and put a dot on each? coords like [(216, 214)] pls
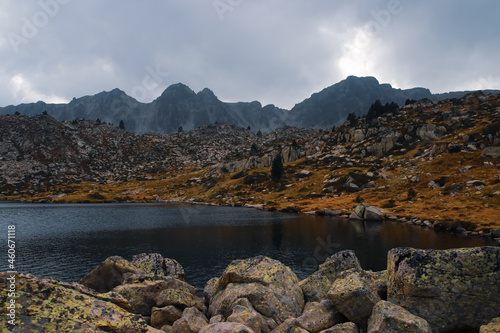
[(431, 161), (179, 106)]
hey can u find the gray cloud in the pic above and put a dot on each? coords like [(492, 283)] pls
[(277, 52)]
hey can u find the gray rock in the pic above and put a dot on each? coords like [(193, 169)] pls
[(491, 152)]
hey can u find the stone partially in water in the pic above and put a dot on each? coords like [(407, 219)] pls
[(452, 289)]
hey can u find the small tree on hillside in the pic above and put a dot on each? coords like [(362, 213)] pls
[(351, 117), (122, 125), (277, 169)]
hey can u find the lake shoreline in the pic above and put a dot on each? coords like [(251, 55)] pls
[(452, 227)]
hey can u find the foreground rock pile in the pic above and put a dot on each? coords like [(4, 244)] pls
[(421, 291)]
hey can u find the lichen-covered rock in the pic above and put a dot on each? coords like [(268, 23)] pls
[(354, 296), (492, 327), (44, 305), (155, 264), (342, 328), (452, 289), (318, 316), (226, 328), (388, 317), (271, 287), (192, 321), (317, 285), (165, 316), (244, 313), (148, 294)]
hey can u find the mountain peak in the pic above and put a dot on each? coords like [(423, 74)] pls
[(178, 90)]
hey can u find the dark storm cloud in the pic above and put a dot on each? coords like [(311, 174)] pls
[(273, 51)]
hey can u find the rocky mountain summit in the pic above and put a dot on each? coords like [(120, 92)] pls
[(421, 291), (179, 106)]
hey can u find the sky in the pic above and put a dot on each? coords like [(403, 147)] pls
[(277, 52)]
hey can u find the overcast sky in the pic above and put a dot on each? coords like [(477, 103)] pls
[(277, 52)]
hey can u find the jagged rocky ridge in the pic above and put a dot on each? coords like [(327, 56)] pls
[(180, 106), (421, 291)]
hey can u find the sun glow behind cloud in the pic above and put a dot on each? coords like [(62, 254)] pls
[(22, 90)]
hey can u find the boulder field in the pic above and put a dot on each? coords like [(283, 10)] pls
[(452, 290)]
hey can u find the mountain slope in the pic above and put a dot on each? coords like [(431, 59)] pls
[(331, 105)]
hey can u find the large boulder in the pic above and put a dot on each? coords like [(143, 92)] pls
[(109, 274), (354, 294), (271, 287), (44, 305), (452, 290), (116, 270), (155, 264), (367, 213), (317, 285), (388, 317)]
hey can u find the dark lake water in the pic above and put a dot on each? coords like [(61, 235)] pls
[(67, 241)]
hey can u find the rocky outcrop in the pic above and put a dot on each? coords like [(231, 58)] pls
[(115, 270), (451, 289), (270, 287)]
